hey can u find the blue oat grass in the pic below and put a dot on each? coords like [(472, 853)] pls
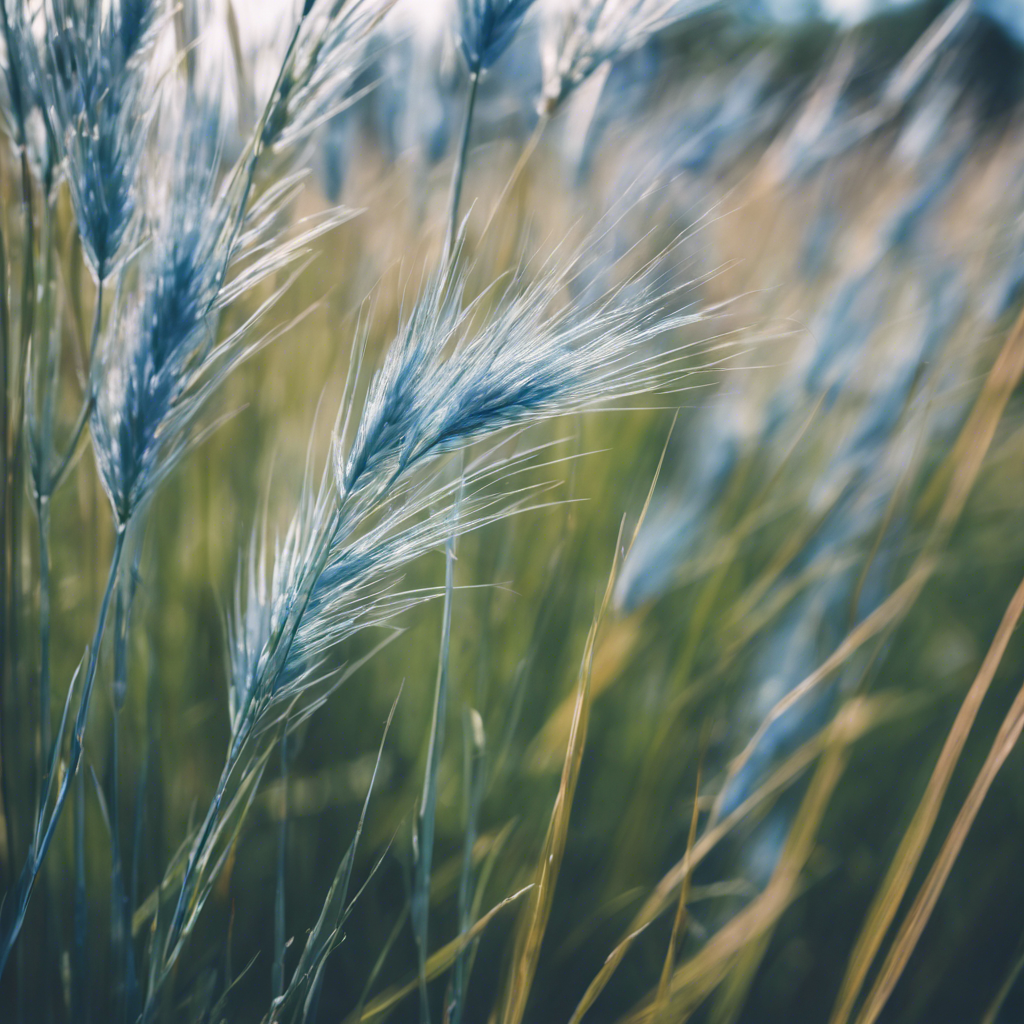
[(447, 382), (593, 33), (101, 99), (162, 336), (22, 73), (486, 29), (210, 239), (456, 373), (325, 54), (163, 359)]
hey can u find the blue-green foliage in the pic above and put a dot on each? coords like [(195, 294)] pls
[(786, 514), (162, 338), (486, 29), (98, 95)]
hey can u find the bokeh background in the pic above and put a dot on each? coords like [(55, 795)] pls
[(846, 181)]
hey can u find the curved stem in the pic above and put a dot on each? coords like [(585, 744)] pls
[(80, 913), (43, 519), (6, 762), (18, 901), (419, 908), (460, 166), (277, 971), (125, 982), (97, 317)]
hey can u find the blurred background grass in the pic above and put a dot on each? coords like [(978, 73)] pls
[(792, 503)]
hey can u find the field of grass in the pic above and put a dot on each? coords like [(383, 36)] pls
[(640, 641)]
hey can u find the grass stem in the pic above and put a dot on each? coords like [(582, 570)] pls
[(45, 826), (424, 849), (459, 171)]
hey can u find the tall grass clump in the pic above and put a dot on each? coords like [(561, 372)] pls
[(509, 512)]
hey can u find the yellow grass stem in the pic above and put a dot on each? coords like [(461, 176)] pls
[(534, 919), (869, 713), (695, 979), (436, 964), (897, 880)]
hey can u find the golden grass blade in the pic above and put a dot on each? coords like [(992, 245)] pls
[(992, 1013), (695, 979), (617, 643), (525, 955), (918, 915), (658, 900), (524, 159), (654, 484), (907, 856), (791, 769), (437, 963), (533, 922), (762, 584), (684, 894), (736, 985), (603, 976)]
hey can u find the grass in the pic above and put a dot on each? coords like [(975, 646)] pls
[(640, 642)]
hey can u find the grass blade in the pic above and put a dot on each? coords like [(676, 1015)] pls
[(892, 890), (424, 831), (437, 963), (277, 973), (475, 778), (695, 979), (918, 915), (684, 892), (534, 918)]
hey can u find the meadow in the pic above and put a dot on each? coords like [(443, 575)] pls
[(511, 516)]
